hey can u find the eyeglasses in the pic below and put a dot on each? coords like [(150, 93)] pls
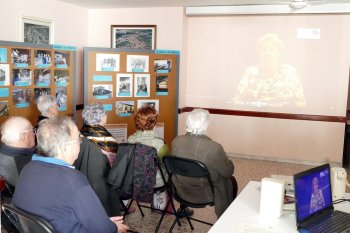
[(78, 140), (30, 130)]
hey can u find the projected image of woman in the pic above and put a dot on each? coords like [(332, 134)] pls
[(270, 83), (317, 199)]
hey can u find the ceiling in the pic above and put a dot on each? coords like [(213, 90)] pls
[(102, 4)]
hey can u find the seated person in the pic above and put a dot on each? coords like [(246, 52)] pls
[(97, 153), (95, 118), (47, 107), (197, 146), (16, 150), (51, 188)]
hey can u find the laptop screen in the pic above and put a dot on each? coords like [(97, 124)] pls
[(312, 192)]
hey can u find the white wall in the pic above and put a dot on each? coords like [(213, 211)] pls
[(70, 25)]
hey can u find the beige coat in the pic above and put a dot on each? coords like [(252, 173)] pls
[(212, 154)]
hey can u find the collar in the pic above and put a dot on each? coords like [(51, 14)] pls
[(51, 160), (10, 150), (202, 136)]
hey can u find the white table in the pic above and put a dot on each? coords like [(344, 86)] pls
[(242, 216)]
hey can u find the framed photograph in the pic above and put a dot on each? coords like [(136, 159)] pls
[(124, 85), (36, 30), (142, 85), (133, 36)]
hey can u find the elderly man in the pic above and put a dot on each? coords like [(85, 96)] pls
[(16, 150), (51, 188), (47, 106)]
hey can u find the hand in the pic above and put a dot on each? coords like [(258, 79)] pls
[(118, 220)]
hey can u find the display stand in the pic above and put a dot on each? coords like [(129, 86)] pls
[(124, 80), (28, 71)]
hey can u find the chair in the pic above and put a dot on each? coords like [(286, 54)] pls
[(165, 187), (181, 167), (25, 222)]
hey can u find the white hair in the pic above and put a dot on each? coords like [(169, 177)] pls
[(197, 121), (12, 129), (45, 102), (52, 134)]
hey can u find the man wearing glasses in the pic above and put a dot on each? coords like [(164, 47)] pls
[(16, 150), (50, 187)]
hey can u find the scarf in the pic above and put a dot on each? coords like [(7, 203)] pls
[(100, 136)]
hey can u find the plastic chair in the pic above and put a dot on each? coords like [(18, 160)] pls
[(181, 167), (25, 222)]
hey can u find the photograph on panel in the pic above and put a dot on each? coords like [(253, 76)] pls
[(142, 85), (107, 62), (4, 108), (21, 97), (148, 103), (162, 66), (41, 91), (61, 78), (20, 57), (161, 85), (124, 85), (102, 91), (61, 98), (124, 108), (4, 74), (61, 59), (137, 63), (42, 58), (3, 55), (21, 77), (42, 77)]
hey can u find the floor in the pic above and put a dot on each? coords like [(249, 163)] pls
[(245, 170)]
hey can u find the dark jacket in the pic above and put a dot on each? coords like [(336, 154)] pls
[(95, 166)]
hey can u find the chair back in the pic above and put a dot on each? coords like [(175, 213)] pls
[(187, 167), (25, 222)]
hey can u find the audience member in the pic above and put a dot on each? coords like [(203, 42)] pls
[(95, 118), (196, 145), (16, 150), (47, 107), (97, 153), (145, 120), (51, 188)]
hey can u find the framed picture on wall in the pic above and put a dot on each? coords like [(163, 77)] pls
[(133, 36), (36, 30)]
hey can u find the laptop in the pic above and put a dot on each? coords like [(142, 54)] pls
[(313, 203)]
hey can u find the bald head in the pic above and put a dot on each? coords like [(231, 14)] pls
[(17, 132)]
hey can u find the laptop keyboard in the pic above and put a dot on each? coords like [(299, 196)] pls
[(338, 222)]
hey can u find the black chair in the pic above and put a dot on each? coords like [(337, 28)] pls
[(165, 187), (25, 222), (179, 168)]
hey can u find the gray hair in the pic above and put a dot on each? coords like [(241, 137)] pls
[(45, 102), (197, 121), (12, 129), (93, 113), (52, 134)]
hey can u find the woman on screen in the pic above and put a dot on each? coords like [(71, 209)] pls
[(270, 83), (317, 199)]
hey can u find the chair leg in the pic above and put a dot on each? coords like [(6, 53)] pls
[(173, 225), (138, 205), (183, 208), (175, 213), (161, 218)]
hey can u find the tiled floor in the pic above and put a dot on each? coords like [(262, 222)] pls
[(245, 170)]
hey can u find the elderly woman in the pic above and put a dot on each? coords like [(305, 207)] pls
[(145, 120), (47, 107), (97, 153), (196, 145), (95, 117)]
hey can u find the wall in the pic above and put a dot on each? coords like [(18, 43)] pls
[(70, 25), (217, 50)]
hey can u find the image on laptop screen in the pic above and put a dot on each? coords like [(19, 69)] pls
[(312, 191)]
